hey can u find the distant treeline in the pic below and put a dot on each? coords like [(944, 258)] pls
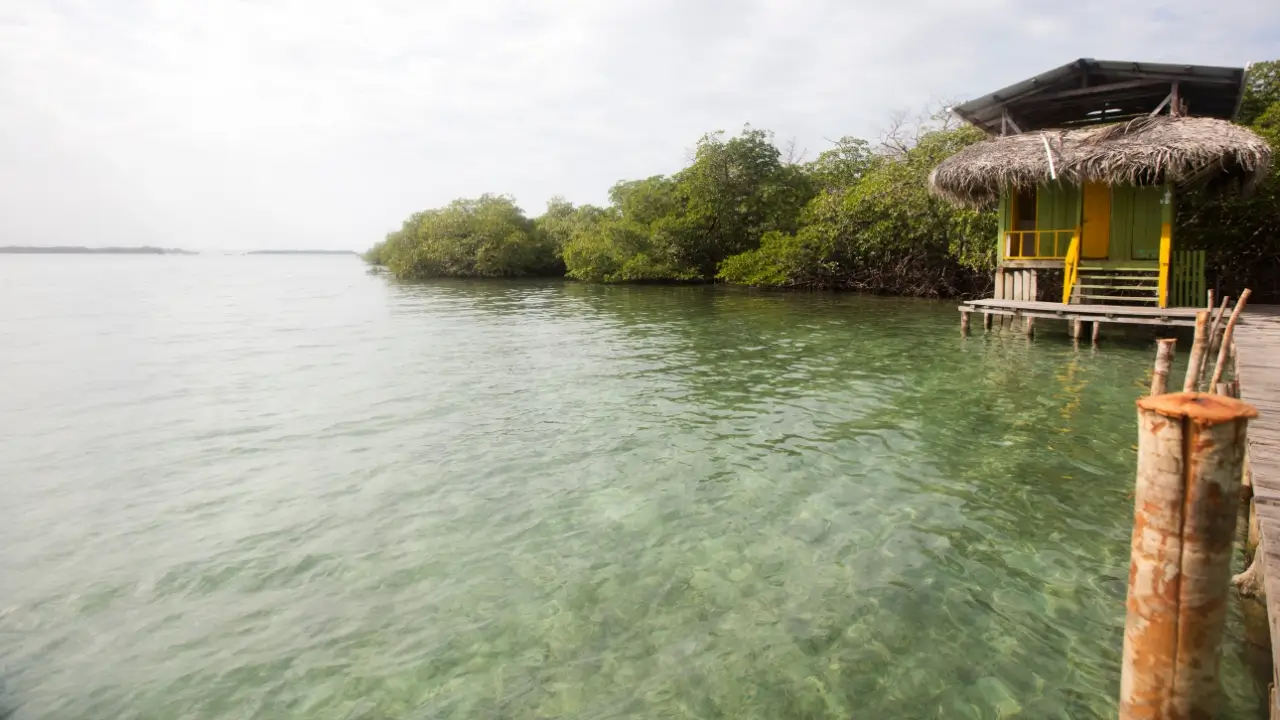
[(76, 250), (302, 252), (858, 217)]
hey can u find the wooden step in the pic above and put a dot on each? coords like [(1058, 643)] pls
[(1095, 268), (1116, 277), (1126, 298), (1145, 288)]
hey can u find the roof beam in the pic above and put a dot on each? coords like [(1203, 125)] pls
[(1006, 122), (1191, 78), (1093, 90)]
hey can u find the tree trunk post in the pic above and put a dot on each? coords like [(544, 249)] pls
[(964, 323), (1097, 331), (1190, 450), (1164, 361), (1077, 329), (1216, 324), (1029, 326), (1196, 361), (1227, 342), (986, 322)]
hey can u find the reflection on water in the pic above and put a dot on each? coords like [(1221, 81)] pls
[(281, 487)]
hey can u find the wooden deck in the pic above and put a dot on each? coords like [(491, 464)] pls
[(1123, 314), (1258, 367)]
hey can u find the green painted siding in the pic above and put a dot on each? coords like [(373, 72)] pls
[(1136, 215), (1056, 207)]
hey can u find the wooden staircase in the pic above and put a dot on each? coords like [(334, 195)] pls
[(1117, 286)]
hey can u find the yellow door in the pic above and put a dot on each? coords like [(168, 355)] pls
[(1096, 243)]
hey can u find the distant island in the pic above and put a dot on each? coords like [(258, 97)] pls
[(77, 250), (302, 252)]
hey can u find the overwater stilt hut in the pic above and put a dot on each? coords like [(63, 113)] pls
[(1085, 164)]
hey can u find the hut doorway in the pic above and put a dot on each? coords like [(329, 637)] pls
[(1096, 241)]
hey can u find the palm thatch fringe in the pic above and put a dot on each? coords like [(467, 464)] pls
[(1155, 150)]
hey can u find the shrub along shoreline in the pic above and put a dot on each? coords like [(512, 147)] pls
[(859, 217)]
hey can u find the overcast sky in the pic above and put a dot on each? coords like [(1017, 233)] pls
[(282, 124)]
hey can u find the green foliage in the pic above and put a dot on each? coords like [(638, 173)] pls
[(680, 228), (485, 237), (841, 168), (737, 213), (735, 192), (1261, 91), (1240, 233), (879, 229)]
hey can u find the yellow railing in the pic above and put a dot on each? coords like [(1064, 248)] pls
[(1071, 266), (1037, 244)]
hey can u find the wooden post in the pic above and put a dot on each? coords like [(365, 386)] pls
[(1196, 360), (1226, 338), (1190, 450), (1029, 326), (964, 323), (986, 322), (1217, 323), (1164, 361), (1077, 328), (1097, 331)]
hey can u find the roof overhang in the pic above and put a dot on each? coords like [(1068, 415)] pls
[(1091, 91)]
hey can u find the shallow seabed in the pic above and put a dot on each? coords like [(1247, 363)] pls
[(265, 487)]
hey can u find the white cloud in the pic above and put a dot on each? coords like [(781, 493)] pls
[(321, 124)]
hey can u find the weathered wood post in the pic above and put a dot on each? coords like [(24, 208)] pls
[(1029, 326), (1196, 360), (1216, 323), (986, 322), (964, 323), (1077, 328), (1164, 361), (1190, 450), (1227, 334), (1097, 331)]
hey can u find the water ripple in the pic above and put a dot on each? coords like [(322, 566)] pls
[(282, 487)]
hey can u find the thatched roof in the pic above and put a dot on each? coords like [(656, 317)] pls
[(1179, 150)]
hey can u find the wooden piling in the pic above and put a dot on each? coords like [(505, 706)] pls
[(964, 323), (1216, 324), (1164, 362), (1190, 450), (1196, 360), (1077, 329), (1029, 326), (1226, 339), (986, 322), (1097, 331)]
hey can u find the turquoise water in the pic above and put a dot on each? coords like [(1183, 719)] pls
[(263, 487)]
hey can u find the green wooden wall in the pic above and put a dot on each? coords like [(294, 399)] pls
[(1136, 215), (1057, 207)]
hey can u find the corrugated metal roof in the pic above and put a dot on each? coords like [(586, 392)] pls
[(1088, 90)]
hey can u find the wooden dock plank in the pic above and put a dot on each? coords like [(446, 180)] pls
[(1135, 311), (1122, 314), (1258, 367)]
